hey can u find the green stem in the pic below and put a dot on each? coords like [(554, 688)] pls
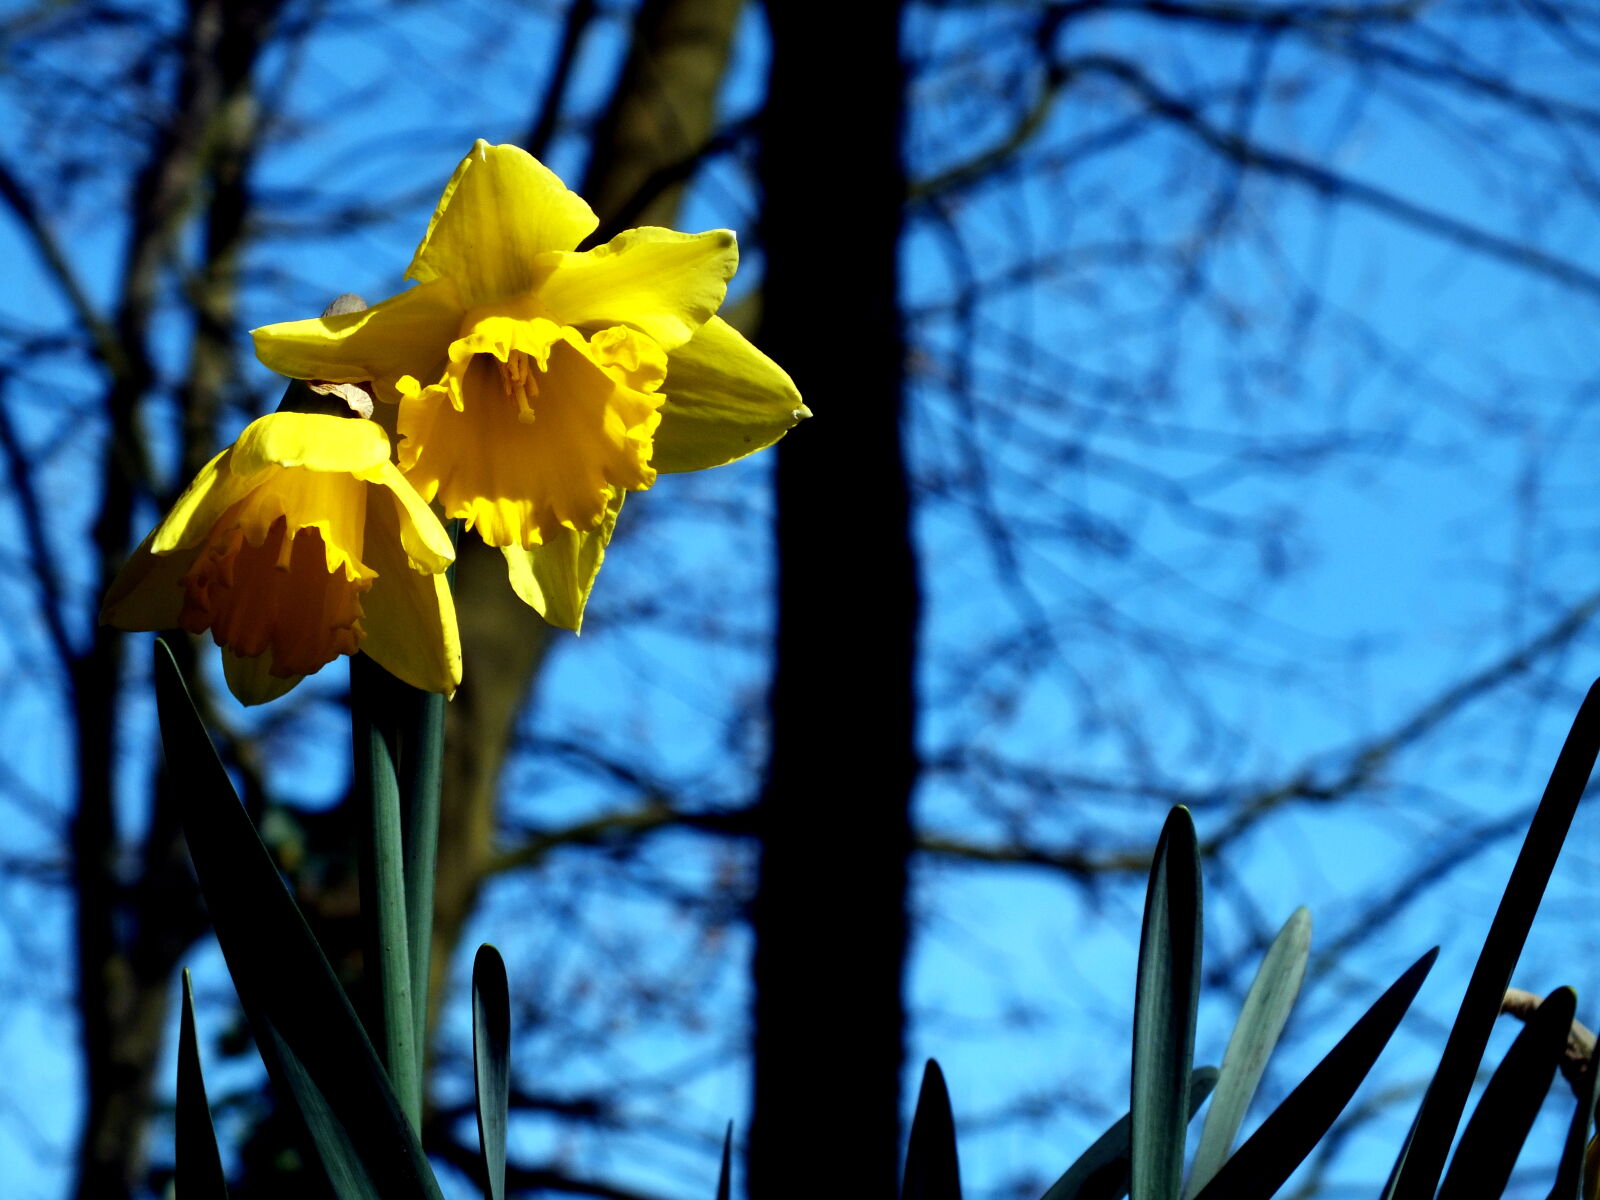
[(420, 765), (391, 1021)]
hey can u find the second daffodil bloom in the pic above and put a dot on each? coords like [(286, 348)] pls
[(536, 385), (299, 543)]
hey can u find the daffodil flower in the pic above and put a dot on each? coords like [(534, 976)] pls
[(536, 385), (299, 543)]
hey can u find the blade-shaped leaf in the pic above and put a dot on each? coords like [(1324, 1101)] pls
[(1270, 1155), (377, 703), (1261, 1021), (198, 1174), (1102, 1171), (1499, 1125), (725, 1177), (1569, 1175), (422, 754), (933, 1171), (491, 1064), (1480, 1007), (1399, 1163), (1165, 1000), (315, 1049)]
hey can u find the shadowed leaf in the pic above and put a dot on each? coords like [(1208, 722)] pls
[(1260, 1166), (1480, 1007), (491, 1064), (1569, 1175), (198, 1171), (1102, 1172), (1516, 1091), (1261, 1021), (725, 1177), (315, 1050), (1165, 1000), (933, 1171)]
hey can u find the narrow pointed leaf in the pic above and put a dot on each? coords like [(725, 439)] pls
[(933, 1171), (1393, 1181), (1165, 1000), (725, 1177), (1480, 1007), (377, 704), (1569, 1174), (1261, 1021), (421, 762), (315, 1050), (1270, 1155), (198, 1174), (1102, 1171), (1516, 1091), (491, 1063)]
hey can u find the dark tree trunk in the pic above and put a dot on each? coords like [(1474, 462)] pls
[(132, 931), (830, 911)]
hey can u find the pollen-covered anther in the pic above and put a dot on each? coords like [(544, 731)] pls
[(518, 382)]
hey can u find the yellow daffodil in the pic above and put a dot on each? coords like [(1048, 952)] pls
[(536, 385), (299, 543)]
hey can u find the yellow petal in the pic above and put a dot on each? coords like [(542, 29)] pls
[(405, 335), (662, 283), (555, 579), (251, 679), (147, 593), (519, 467), (214, 490), (424, 539), (304, 467), (501, 209), (725, 399), (409, 617)]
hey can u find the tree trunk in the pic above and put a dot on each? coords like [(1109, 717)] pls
[(130, 933), (830, 910)]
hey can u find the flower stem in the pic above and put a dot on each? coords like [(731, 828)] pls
[(376, 710)]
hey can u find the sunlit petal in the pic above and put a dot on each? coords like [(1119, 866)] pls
[(555, 578), (524, 456), (501, 209), (662, 283), (410, 619), (404, 335), (724, 399)]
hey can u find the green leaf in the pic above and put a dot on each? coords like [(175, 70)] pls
[(1261, 1021), (1165, 1000), (421, 759), (315, 1050), (198, 1174), (1499, 1125), (491, 1064), (1102, 1171), (725, 1177), (933, 1171), (1480, 1007), (1260, 1166), (377, 704), (1569, 1174)]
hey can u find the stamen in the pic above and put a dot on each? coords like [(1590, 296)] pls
[(518, 382)]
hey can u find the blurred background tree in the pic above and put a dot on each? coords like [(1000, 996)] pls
[(1202, 416)]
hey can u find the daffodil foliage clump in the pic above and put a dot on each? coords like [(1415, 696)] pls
[(519, 391)]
